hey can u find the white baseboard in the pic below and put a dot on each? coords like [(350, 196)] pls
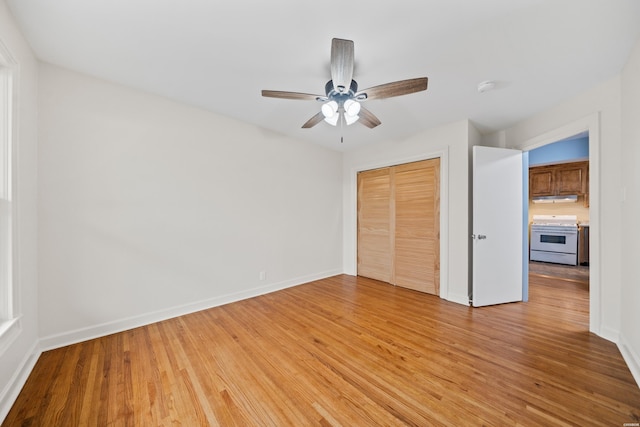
[(631, 358), (458, 298), (12, 389), (609, 334), (84, 334)]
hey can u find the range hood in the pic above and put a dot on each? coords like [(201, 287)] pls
[(555, 199)]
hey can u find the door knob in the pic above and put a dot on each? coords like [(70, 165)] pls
[(481, 236)]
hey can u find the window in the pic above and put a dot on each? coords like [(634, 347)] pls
[(6, 205), (10, 327)]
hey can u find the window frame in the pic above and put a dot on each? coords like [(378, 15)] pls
[(9, 316)]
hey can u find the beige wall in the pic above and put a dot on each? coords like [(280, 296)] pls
[(578, 209)]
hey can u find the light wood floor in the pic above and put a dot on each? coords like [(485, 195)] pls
[(344, 351), (568, 272)]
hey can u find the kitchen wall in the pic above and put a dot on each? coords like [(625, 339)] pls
[(578, 209), (570, 150)]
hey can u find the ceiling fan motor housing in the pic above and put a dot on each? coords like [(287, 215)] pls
[(340, 101), (340, 97)]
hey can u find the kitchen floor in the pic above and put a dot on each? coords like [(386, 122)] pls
[(570, 272)]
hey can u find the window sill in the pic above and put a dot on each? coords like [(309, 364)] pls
[(9, 331)]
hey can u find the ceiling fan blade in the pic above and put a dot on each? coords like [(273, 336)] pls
[(313, 121), (290, 95), (368, 119), (402, 87), (341, 64)]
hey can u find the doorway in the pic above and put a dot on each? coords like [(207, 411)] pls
[(590, 126), (561, 191)]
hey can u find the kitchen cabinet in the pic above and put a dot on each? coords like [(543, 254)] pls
[(559, 180)]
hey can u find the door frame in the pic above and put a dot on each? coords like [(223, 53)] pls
[(590, 124), (352, 219)]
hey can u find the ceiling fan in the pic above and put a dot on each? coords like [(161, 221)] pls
[(342, 98)]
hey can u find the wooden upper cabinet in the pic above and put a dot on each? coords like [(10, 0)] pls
[(559, 180), (571, 179), (541, 181)]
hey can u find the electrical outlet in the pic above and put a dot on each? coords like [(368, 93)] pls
[(263, 275)]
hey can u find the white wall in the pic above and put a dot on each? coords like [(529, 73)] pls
[(451, 143), (630, 280), (602, 102), (19, 352), (150, 209)]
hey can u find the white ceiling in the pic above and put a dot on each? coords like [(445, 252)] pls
[(218, 55)]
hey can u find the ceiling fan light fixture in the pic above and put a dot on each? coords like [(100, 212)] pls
[(333, 121), (350, 119), (330, 112), (351, 110), (351, 107), (330, 109)]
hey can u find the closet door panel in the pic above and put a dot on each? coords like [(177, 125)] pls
[(417, 219), (375, 250)]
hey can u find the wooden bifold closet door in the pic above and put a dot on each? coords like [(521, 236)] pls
[(399, 225)]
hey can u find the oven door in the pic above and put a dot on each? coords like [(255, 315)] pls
[(554, 239)]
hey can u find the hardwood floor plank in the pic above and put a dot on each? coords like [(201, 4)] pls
[(344, 351)]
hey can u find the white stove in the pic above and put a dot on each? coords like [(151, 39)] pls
[(554, 238)]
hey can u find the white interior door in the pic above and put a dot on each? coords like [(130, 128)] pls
[(497, 226)]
